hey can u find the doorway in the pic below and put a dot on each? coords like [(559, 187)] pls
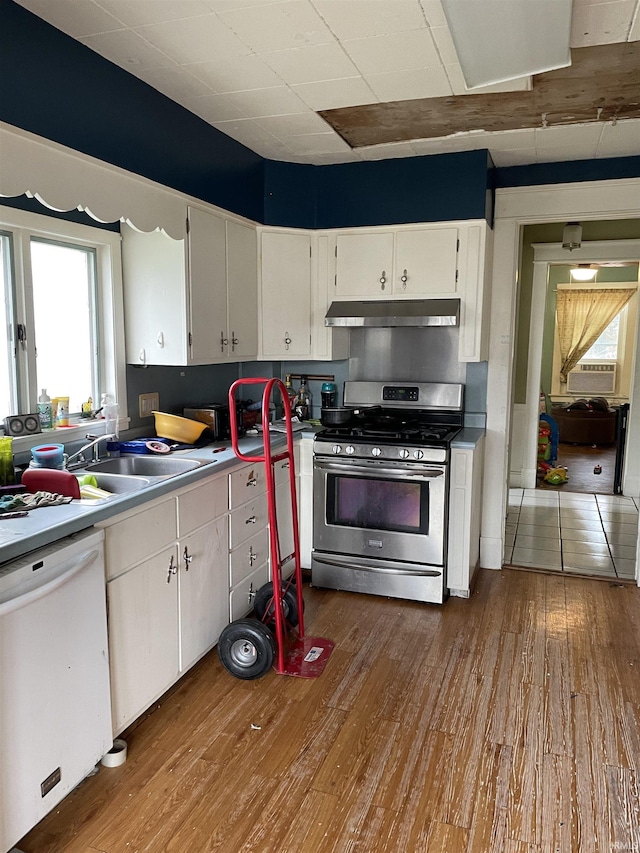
[(581, 525)]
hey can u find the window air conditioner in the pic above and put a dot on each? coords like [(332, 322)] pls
[(594, 379)]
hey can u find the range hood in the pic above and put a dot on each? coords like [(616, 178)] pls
[(398, 312)]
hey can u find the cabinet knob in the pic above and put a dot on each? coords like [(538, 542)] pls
[(404, 279), (287, 340), (173, 570), (223, 341), (187, 557), (383, 280)]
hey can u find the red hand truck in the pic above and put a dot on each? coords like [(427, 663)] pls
[(248, 648)]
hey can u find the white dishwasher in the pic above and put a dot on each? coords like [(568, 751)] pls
[(55, 712)]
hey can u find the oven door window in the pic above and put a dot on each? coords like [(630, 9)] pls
[(374, 503)]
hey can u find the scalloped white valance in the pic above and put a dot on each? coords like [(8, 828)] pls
[(64, 179)]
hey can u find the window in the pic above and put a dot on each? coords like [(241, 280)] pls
[(61, 296), (606, 347)]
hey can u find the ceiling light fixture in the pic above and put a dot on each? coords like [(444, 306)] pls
[(583, 272), (499, 40), (572, 236)]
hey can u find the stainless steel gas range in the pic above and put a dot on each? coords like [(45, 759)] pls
[(381, 491)]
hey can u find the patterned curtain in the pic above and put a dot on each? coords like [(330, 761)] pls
[(582, 315)]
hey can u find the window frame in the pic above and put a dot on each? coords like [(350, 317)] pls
[(21, 227)]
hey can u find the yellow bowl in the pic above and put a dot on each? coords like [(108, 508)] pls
[(177, 428)]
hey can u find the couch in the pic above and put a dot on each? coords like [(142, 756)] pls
[(586, 422)]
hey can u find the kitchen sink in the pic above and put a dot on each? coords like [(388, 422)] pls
[(143, 466), (120, 484)]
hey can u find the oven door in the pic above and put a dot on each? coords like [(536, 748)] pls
[(380, 510)]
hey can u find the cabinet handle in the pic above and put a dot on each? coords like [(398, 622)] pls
[(404, 278), (223, 341), (173, 570), (251, 594), (383, 280), (234, 341), (285, 465), (252, 481), (187, 558), (252, 555), (287, 340), (251, 520)]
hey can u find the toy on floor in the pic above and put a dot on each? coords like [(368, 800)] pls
[(556, 476)]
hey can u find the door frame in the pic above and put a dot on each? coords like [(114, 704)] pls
[(514, 208), (546, 254)]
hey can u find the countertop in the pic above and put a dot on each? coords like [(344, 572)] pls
[(468, 438), (19, 536)]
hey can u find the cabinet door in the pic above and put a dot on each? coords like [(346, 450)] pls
[(285, 295), (246, 557), (143, 635), (242, 290), (208, 286), (204, 587), (131, 539), (242, 596), (155, 298), (364, 265), (426, 262)]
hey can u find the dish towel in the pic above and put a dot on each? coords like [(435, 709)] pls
[(32, 501)]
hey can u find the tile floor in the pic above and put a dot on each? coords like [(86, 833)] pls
[(570, 532)]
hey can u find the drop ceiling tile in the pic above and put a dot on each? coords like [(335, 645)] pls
[(347, 156), (126, 49), (581, 138), (246, 130), (449, 144), (509, 140), (202, 39), (333, 94), (406, 85), (445, 45), (236, 74), (135, 14), (277, 26), (296, 124), (396, 52), (276, 101), (391, 151), (620, 140), (515, 157), (74, 17), (213, 108), (601, 23), (310, 64), (362, 18), (317, 143), (173, 81)]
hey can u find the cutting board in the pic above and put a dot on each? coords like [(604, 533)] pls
[(51, 480)]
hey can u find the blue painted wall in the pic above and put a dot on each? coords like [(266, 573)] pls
[(570, 171)]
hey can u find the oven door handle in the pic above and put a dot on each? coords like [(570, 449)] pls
[(345, 562), (373, 471)]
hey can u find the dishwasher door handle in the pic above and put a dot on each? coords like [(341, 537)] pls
[(69, 571)]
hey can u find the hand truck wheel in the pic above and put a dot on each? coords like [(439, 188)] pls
[(246, 649), (263, 605)]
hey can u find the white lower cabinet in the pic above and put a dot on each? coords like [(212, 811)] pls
[(305, 500), (465, 506)]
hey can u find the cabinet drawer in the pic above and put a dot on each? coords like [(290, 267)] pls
[(248, 555), (245, 484), (281, 468), (242, 596), (202, 504), (247, 520), (131, 540)]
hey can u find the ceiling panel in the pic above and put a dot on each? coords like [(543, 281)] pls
[(261, 70)]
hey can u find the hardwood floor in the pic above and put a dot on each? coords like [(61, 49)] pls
[(506, 723), (580, 460)]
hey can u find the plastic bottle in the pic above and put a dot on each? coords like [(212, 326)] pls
[(303, 401), (62, 412), (110, 412), (45, 410)]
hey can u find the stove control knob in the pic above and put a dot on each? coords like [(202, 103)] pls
[(375, 451), (336, 448), (418, 454), (404, 453), (349, 449)]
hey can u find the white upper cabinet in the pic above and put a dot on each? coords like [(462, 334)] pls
[(285, 295), (191, 301), (395, 263)]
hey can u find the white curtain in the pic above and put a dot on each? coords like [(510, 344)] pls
[(582, 315)]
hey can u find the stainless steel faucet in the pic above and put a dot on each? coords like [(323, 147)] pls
[(94, 443)]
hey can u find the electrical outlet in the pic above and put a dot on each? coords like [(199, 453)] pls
[(148, 403)]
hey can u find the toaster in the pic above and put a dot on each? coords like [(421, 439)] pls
[(216, 417)]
